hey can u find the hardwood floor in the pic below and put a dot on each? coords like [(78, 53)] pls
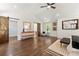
[(27, 47)]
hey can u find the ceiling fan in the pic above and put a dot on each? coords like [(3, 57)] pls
[(49, 5)]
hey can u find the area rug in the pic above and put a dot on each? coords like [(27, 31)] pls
[(57, 50)]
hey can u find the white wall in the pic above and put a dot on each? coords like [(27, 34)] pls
[(33, 13), (67, 12), (35, 27), (65, 33)]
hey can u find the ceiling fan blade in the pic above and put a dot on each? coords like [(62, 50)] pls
[(52, 3), (53, 7), (42, 6), (48, 3)]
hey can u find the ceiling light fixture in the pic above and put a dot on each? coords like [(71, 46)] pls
[(48, 6)]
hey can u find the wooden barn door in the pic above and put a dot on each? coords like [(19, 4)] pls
[(4, 29)]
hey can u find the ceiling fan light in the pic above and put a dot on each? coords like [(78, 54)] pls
[(48, 6)]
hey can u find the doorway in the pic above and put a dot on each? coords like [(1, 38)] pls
[(37, 28), (12, 29)]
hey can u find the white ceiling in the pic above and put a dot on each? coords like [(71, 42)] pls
[(32, 11)]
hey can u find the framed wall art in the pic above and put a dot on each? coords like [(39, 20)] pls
[(70, 24), (26, 26), (54, 26)]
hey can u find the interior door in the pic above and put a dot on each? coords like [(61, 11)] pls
[(37, 28)]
